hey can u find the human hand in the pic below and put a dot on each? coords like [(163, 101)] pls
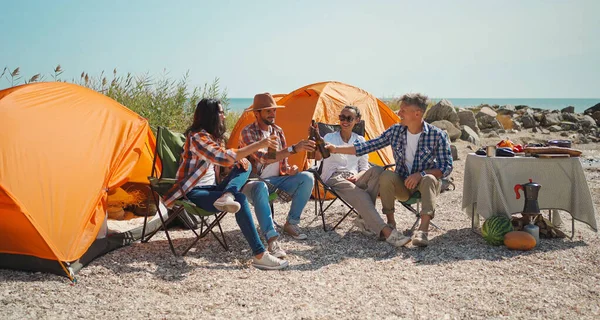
[(293, 170), (305, 145), (270, 142), (353, 178), (243, 164), (413, 181), (330, 147)]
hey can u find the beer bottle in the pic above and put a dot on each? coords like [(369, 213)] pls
[(320, 142), (271, 153)]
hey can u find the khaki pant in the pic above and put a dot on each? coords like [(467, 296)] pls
[(361, 196), (391, 187)]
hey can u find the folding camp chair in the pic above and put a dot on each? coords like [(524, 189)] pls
[(415, 199), (320, 199), (169, 146)]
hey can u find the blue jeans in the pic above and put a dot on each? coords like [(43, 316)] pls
[(300, 187), (258, 195), (204, 197)]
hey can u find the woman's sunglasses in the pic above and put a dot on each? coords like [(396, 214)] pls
[(346, 118)]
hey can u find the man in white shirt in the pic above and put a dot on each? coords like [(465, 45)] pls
[(351, 177)]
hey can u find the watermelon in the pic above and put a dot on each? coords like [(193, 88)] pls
[(495, 228)]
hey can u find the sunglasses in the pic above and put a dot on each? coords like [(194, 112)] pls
[(346, 118)]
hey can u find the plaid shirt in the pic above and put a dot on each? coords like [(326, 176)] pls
[(251, 134), (199, 151), (433, 150)]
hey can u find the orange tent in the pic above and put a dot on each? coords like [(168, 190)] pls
[(62, 148), (323, 102)]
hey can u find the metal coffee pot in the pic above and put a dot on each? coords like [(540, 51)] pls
[(531, 191)]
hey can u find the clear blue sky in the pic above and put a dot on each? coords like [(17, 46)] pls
[(469, 49)]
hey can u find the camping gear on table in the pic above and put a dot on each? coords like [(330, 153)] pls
[(552, 150), (559, 143)]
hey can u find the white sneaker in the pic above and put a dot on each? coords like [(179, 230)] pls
[(360, 225), (227, 203), (269, 262), (397, 239), (420, 239), (276, 251)]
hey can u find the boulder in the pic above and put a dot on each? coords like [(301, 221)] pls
[(454, 151), (453, 132), (569, 126), (443, 110), (528, 121), (470, 135), (507, 109), (592, 109), (517, 125), (571, 117), (486, 119), (467, 118), (596, 116), (551, 119), (569, 109), (520, 106), (587, 122), (538, 116)]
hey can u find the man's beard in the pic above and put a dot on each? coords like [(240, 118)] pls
[(268, 122)]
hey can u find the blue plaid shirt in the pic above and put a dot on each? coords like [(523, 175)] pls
[(433, 150)]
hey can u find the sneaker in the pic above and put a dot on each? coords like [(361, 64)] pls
[(269, 262), (294, 231), (227, 203), (276, 251), (360, 225), (397, 239), (420, 239)]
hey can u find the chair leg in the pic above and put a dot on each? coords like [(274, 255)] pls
[(164, 222), (209, 228)]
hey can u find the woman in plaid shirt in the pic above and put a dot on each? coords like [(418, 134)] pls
[(198, 176)]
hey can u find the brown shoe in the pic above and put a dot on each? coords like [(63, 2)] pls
[(294, 231)]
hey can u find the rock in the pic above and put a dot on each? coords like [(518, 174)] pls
[(443, 110), (520, 106), (596, 116), (517, 125), (467, 118), (486, 118), (470, 135), (454, 152), (587, 122), (569, 109), (569, 126), (544, 131), (571, 117), (564, 134), (492, 134), (507, 109), (453, 131), (550, 119), (538, 116), (592, 109), (528, 121)]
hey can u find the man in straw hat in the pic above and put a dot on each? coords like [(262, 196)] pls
[(276, 171)]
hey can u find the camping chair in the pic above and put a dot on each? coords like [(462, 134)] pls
[(317, 170), (415, 200), (169, 146)]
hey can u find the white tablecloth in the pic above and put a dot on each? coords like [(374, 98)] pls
[(489, 186)]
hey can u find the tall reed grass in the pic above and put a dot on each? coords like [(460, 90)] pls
[(162, 100)]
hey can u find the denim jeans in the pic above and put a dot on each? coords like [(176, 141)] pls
[(204, 197), (300, 187), (258, 195)]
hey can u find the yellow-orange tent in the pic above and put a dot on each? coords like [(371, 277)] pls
[(323, 102), (62, 148)]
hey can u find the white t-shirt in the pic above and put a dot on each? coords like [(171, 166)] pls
[(343, 162), (272, 169), (412, 141), (209, 178)]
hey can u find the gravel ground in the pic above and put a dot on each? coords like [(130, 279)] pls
[(340, 274)]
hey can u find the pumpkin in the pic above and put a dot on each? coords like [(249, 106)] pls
[(519, 240)]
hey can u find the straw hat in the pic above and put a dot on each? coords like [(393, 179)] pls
[(263, 101)]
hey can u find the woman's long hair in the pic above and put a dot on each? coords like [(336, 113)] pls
[(207, 117)]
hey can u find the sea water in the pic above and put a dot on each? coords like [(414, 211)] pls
[(239, 104)]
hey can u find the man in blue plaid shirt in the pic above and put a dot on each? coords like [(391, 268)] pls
[(423, 157)]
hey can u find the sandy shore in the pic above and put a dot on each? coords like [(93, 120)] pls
[(340, 274)]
